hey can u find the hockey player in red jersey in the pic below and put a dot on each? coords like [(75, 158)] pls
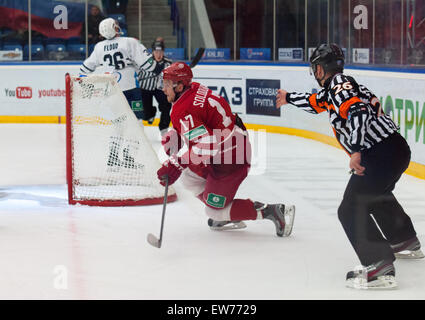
[(210, 146)]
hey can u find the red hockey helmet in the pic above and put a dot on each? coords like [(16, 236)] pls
[(178, 71)]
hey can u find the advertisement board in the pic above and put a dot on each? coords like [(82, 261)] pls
[(174, 53), (39, 90), (261, 97), (255, 54), (34, 90), (11, 55), (216, 54), (291, 54), (360, 55)]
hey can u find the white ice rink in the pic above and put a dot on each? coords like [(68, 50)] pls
[(102, 253)]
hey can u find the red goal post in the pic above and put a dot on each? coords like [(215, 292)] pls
[(109, 160)]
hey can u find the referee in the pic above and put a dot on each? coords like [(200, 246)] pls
[(378, 157), (149, 85)]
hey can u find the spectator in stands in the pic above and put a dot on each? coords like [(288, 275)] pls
[(16, 36), (149, 84), (21, 36), (94, 18)]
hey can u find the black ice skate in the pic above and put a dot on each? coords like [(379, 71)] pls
[(409, 249), (378, 276), (225, 225), (281, 215)]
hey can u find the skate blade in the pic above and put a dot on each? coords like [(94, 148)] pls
[(408, 254), (232, 226), (289, 220), (382, 283)]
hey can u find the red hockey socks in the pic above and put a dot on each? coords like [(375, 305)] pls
[(243, 210)]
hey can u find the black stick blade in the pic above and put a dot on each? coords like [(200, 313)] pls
[(197, 57), (154, 241)]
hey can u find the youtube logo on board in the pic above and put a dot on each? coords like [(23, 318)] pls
[(24, 92)]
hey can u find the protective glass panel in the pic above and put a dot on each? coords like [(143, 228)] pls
[(254, 35), (290, 30), (415, 32), (388, 35), (58, 29), (339, 25), (361, 32), (219, 40), (163, 20), (317, 23), (14, 35)]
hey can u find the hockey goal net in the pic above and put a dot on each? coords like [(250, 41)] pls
[(110, 161)]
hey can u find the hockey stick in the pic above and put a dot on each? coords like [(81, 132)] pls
[(154, 241), (197, 57), (193, 63)]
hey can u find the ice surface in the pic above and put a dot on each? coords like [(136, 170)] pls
[(51, 250)]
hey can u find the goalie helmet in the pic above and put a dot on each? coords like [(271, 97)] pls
[(178, 71), (329, 56), (108, 28)]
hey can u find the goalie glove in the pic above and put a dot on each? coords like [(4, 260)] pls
[(171, 168), (172, 142)]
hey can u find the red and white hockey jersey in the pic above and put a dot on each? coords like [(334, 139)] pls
[(208, 127)]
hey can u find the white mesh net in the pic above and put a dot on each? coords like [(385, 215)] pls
[(111, 158)]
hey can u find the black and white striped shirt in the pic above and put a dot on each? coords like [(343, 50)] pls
[(354, 112), (148, 80)]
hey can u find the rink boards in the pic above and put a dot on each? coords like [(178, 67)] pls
[(36, 94)]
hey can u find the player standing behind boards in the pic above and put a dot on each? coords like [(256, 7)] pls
[(122, 57), (216, 155), (379, 156), (149, 86)]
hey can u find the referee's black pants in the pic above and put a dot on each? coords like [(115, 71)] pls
[(371, 194), (163, 105)]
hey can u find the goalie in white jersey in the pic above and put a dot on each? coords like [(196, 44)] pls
[(122, 57)]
